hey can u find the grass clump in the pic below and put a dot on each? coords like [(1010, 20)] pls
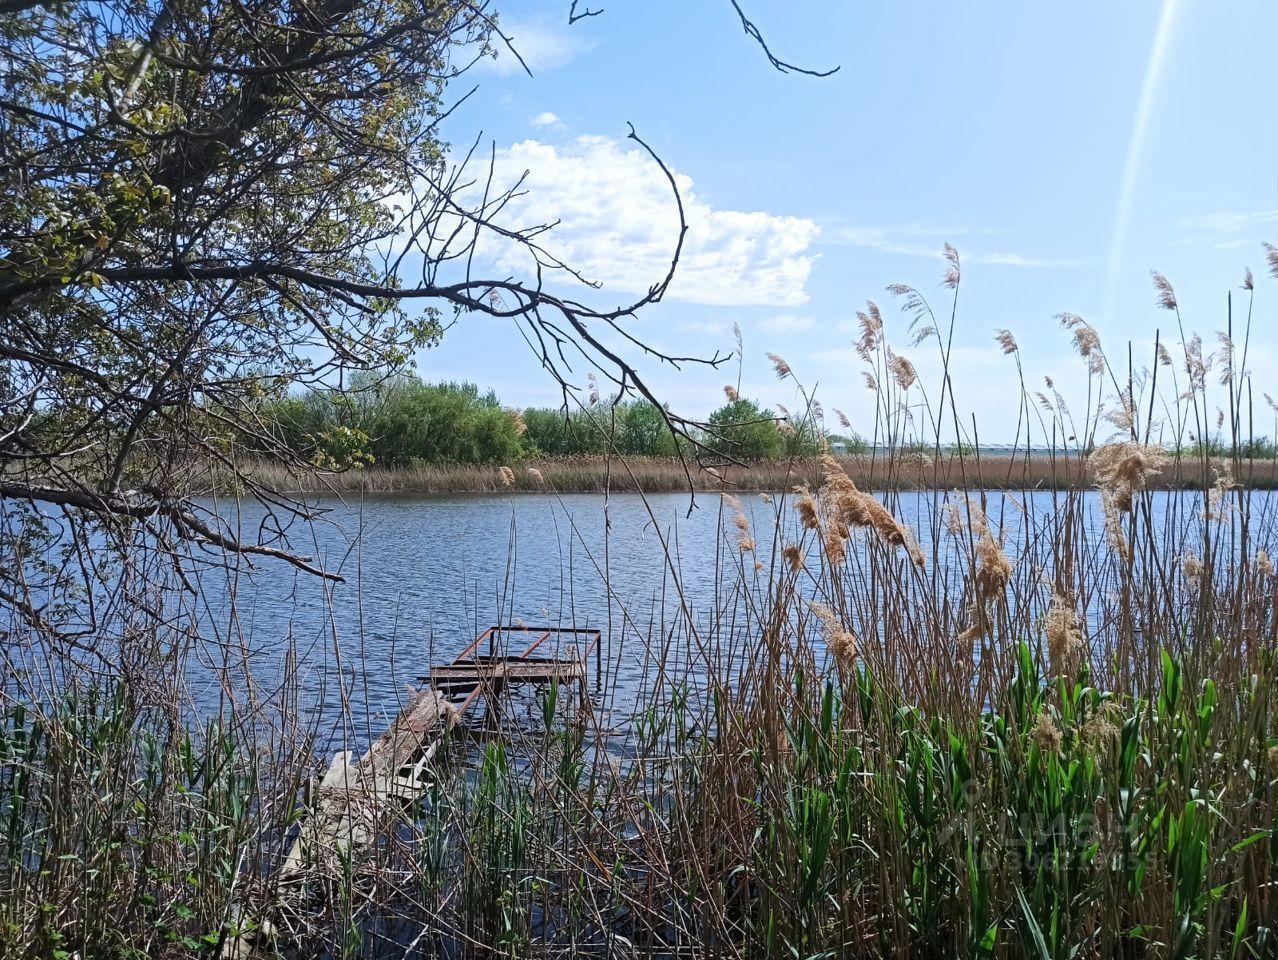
[(1058, 821), (125, 831)]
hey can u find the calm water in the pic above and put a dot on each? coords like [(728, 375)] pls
[(424, 575)]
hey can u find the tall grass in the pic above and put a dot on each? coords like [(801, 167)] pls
[(1022, 726), (124, 833), (908, 470)]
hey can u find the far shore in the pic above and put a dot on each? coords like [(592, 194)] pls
[(904, 471)]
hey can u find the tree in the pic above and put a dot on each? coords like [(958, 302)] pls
[(642, 431), (743, 431), (557, 433), (196, 209), (205, 203), (413, 422)]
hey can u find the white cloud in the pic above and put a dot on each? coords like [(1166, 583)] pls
[(1230, 222), (545, 119), (878, 238), (617, 223), (786, 323), (1228, 230), (925, 241), (1017, 260), (541, 45)]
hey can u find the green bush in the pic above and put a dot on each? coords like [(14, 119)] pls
[(409, 421), (396, 422), (554, 433), (401, 421), (642, 431), (636, 429), (740, 429)]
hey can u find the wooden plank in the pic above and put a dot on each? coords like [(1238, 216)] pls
[(427, 714), (509, 671), (489, 667), (353, 799)]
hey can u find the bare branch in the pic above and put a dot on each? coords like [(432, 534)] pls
[(754, 33), (574, 16)]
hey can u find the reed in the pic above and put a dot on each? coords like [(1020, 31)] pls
[(913, 469), (1023, 726)]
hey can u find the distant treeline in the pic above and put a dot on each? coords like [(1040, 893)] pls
[(403, 421)]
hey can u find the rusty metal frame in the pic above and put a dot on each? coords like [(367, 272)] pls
[(492, 633)]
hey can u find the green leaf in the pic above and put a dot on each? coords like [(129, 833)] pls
[(1035, 931)]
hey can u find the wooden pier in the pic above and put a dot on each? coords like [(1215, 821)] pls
[(357, 801), (472, 672)]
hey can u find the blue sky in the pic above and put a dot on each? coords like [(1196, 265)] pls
[(1064, 149)]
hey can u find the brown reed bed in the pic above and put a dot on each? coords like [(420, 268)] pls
[(902, 470)]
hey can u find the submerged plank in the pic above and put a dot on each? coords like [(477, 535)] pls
[(353, 803), (427, 715), (354, 799)]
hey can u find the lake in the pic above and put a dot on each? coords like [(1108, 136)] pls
[(425, 575)]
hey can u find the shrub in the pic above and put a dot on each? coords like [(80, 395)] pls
[(740, 429)]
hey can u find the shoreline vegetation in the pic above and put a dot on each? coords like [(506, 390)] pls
[(901, 470), (401, 435), (991, 728), (1050, 735), (1050, 731), (966, 739)]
